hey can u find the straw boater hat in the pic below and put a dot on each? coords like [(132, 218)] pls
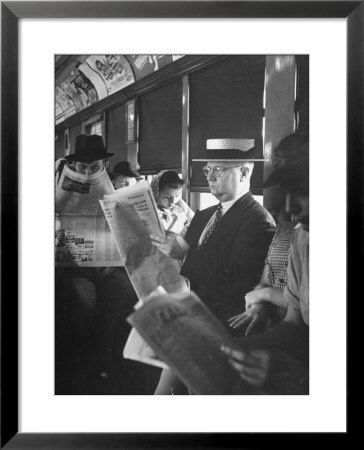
[(88, 149), (230, 149)]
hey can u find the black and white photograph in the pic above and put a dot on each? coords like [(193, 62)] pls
[(197, 282), (174, 160)]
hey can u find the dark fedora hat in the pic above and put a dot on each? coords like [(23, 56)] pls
[(291, 164), (124, 168), (88, 149), (230, 149)]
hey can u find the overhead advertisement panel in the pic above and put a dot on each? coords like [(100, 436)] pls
[(114, 71), (86, 79), (65, 102), (83, 87), (77, 89), (145, 64)]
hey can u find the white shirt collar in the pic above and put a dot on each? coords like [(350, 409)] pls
[(229, 204)]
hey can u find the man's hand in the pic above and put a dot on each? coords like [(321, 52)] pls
[(255, 317), (171, 245), (252, 365)]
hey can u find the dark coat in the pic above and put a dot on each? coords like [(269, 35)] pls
[(232, 261)]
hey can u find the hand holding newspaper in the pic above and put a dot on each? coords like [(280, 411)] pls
[(188, 338), (132, 216)]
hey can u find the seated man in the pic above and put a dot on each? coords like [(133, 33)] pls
[(225, 245), (84, 292)]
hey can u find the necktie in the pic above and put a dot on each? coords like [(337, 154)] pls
[(218, 216)]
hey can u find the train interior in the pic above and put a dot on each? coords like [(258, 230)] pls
[(156, 112)]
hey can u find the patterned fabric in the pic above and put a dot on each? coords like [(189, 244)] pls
[(154, 185), (277, 258), (218, 216)]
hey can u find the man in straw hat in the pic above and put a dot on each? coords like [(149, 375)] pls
[(85, 291), (290, 336), (225, 245)]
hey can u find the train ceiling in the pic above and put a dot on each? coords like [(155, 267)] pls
[(82, 80)]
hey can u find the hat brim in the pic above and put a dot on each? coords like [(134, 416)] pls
[(292, 178), (275, 178), (88, 159), (230, 160)]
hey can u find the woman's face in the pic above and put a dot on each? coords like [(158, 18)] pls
[(169, 196)]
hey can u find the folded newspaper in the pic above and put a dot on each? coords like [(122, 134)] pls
[(188, 338)]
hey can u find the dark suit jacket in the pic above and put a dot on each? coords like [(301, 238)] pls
[(232, 261)]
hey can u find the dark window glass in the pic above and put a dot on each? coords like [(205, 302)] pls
[(226, 101), (160, 129)]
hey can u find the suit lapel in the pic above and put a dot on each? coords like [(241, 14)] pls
[(230, 219)]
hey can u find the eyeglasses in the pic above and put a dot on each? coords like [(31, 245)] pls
[(217, 170)]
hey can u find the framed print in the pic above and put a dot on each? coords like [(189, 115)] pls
[(29, 408)]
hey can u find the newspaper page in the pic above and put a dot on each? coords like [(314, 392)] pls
[(80, 194), (136, 347), (187, 337), (85, 241), (83, 237), (132, 216)]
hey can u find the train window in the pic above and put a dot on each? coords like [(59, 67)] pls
[(160, 119), (206, 200), (94, 125), (226, 100), (258, 198)]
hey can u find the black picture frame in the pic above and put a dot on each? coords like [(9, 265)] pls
[(11, 13)]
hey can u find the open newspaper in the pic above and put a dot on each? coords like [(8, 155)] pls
[(187, 337), (132, 216), (83, 236)]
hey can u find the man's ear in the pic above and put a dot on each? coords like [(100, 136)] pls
[(244, 173), (106, 163)]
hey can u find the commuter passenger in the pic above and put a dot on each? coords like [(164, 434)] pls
[(174, 212), (290, 336), (123, 175), (225, 245), (86, 291)]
